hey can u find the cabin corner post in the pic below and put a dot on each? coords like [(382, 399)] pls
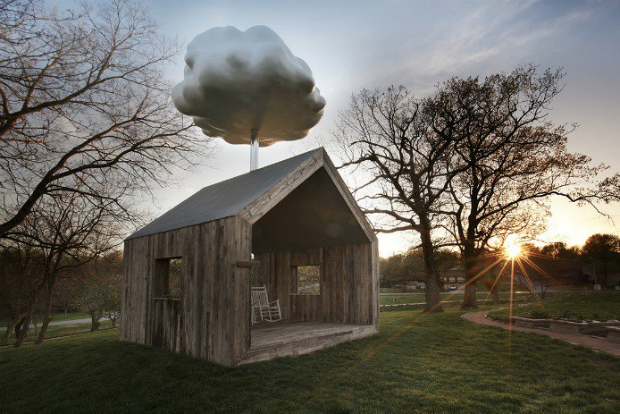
[(375, 283), (124, 328), (241, 317)]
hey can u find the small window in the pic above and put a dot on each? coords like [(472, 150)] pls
[(175, 278), (306, 280), (170, 278)]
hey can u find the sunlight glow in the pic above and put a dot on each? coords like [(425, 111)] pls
[(512, 250), (509, 253)]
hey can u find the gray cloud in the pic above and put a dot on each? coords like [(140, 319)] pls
[(235, 81)]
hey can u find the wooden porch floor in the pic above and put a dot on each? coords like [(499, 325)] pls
[(290, 338)]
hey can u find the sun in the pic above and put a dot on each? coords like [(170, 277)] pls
[(512, 251)]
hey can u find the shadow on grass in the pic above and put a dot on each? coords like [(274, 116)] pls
[(440, 364)]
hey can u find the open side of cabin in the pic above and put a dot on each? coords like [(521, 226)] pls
[(292, 227)]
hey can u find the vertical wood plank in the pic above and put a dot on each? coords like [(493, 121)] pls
[(213, 319)]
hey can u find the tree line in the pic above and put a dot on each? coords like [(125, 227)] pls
[(91, 287), (87, 130), (401, 268), (467, 166), (553, 264)]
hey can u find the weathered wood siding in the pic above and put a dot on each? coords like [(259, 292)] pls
[(212, 320), (349, 283)]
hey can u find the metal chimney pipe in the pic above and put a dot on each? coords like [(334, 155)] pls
[(254, 149)]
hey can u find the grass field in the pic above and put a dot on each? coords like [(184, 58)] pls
[(60, 330), (401, 298), (576, 305), (436, 363), (56, 316)]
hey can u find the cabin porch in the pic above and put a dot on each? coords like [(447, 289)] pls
[(292, 338)]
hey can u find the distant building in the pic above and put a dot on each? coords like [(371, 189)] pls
[(415, 285), (454, 276)]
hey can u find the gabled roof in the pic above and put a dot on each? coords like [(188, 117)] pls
[(225, 199)]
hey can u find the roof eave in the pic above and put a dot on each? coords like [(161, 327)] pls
[(263, 204)]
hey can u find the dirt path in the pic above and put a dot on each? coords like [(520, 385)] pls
[(596, 343)]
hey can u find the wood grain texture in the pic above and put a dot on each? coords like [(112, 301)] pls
[(278, 192), (212, 320), (348, 279), (282, 339), (247, 264)]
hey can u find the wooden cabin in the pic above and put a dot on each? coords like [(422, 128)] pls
[(292, 227)]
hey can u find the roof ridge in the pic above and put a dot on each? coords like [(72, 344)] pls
[(264, 168), (225, 198)]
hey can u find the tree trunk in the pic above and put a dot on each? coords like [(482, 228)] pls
[(470, 260), (7, 333), (113, 317), (46, 317), (94, 316), (12, 325), (23, 330), (470, 301), (495, 293), (469, 298), (18, 326), (603, 279), (433, 300)]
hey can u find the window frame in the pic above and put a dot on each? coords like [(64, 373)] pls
[(295, 280), (162, 279)]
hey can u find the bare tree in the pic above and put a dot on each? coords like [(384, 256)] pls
[(100, 293), (83, 100), (20, 273), (512, 159), (390, 138), (610, 188), (69, 231)]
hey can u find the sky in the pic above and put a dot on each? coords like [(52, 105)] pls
[(358, 44)]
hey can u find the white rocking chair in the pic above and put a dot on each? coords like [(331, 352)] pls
[(262, 309)]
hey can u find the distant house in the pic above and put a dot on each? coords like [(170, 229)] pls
[(454, 276), (187, 275), (415, 285)]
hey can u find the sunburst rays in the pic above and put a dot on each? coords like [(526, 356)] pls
[(508, 256)]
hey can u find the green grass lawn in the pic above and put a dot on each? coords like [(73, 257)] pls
[(436, 363), (56, 316), (575, 305), (402, 298), (60, 330)]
